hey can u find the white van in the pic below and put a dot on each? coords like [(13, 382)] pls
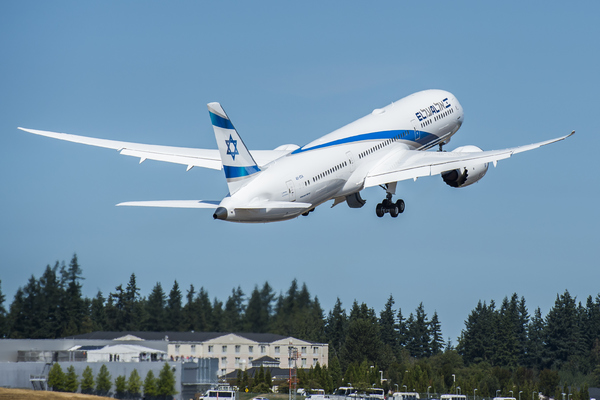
[(406, 396), (219, 394)]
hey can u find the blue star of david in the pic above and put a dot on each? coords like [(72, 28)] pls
[(235, 150)]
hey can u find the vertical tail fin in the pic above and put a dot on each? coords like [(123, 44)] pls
[(237, 161)]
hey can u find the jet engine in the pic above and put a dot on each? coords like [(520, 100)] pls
[(465, 176)]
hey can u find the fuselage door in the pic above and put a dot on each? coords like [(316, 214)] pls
[(351, 163), (417, 132), (291, 191)]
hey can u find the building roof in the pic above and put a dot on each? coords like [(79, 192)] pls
[(177, 336), (264, 361), (126, 349)]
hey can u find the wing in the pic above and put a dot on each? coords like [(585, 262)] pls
[(412, 164), (205, 158), (173, 204)]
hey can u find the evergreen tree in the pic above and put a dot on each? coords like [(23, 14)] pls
[(217, 316), (362, 340), (132, 308), (387, 323), (3, 317), (535, 340), (402, 329), (150, 388), (18, 319), (505, 353), (174, 312), (205, 311), (562, 330), (189, 313), (437, 340), (477, 341), (256, 318), (267, 297), (591, 323), (56, 378), (87, 381), (74, 305), (155, 310), (418, 332), (120, 387), (335, 328), (103, 381), (166, 382), (50, 296), (115, 310), (71, 380), (521, 330), (97, 312), (268, 379), (134, 384), (234, 311)]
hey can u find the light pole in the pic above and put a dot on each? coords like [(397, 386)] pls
[(428, 387), (458, 391), (406, 388), (563, 396), (497, 392), (453, 382), (395, 384), (511, 393), (520, 394), (474, 396)]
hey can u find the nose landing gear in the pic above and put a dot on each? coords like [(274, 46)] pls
[(387, 206)]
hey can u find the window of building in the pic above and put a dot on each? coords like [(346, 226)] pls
[(250, 349), (193, 348), (303, 350), (277, 359), (250, 360), (223, 349), (224, 360), (176, 349), (304, 363), (210, 348), (315, 350), (315, 361), (237, 348), (277, 348), (223, 371), (237, 362), (263, 349)]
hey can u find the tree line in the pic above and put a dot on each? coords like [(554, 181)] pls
[(500, 348), (152, 388)]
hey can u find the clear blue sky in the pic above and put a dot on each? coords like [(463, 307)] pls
[(289, 72)]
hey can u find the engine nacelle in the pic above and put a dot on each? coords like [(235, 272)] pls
[(465, 176)]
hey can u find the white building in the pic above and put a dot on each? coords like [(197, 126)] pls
[(234, 350)]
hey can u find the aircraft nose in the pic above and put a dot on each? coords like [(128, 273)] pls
[(220, 213)]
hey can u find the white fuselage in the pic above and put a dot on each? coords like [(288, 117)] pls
[(334, 166)]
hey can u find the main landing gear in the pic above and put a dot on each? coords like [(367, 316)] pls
[(387, 206)]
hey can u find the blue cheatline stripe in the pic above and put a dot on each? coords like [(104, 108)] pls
[(410, 135), (238, 172), (221, 122)]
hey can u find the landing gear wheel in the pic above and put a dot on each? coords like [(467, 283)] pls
[(394, 211), (400, 206), (379, 210)]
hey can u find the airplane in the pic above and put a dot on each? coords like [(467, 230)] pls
[(380, 149)]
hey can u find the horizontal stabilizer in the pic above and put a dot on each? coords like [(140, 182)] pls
[(173, 204)]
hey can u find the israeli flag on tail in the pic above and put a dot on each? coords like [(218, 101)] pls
[(237, 161)]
